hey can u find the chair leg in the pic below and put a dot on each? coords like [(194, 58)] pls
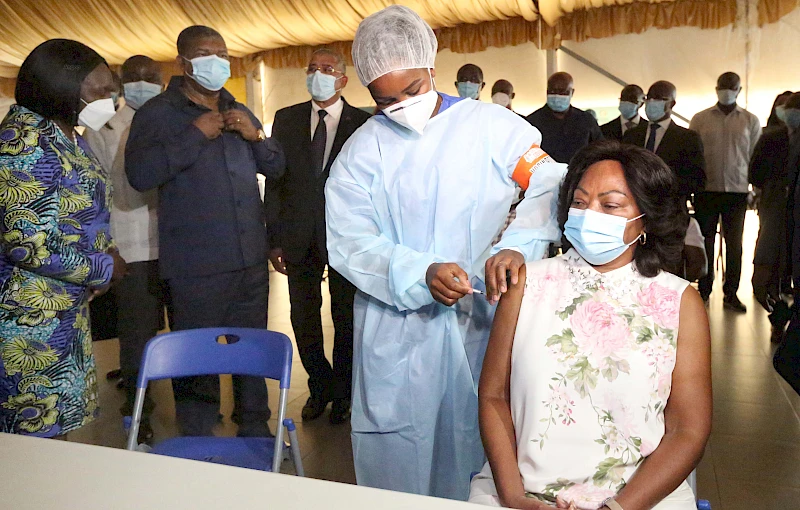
[(295, 446), (138, 406)]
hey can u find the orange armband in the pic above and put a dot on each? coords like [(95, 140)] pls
[(528, 164)]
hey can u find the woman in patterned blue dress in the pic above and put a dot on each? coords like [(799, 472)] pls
[(56, 248)]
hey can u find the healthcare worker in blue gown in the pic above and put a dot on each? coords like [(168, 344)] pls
[(413, 202)]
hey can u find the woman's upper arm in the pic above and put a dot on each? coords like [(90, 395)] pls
[(690, 402), (496, 372)]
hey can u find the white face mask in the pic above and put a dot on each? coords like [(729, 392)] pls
[(415, 112), (502, 99), (97, 113)]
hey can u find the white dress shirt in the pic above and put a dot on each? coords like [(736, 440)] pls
[(728, 143), (663, 126), (334, 112), (134, 218), (624, 123)]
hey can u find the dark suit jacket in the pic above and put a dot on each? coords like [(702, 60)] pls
[(300, 217), (612, 130), (682, 150), (769, 167)]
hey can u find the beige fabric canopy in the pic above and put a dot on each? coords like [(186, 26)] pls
[(282, 33)]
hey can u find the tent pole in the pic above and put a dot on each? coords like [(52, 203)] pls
[(552, 62)]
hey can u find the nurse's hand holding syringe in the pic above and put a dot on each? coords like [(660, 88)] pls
[(448, 283)]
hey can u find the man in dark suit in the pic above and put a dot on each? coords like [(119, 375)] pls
[(630, 102), (312, 134), (565, 129), (680, 148)]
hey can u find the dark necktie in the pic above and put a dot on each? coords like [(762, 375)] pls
[(318, 143), (651, 141), (629, 125)]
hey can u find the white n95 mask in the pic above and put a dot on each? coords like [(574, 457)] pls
[(96, 114), (415, 112)]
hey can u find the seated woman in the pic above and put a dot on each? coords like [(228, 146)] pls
[(596, 386)]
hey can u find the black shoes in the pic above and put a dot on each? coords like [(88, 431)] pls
[(732, 303), (315, 406), (340, 411)]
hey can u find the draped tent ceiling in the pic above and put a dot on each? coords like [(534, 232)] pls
[(282, 33)]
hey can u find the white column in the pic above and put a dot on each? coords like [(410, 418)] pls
[(552, 62)]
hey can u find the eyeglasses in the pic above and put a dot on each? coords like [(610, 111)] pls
[(329, 70)]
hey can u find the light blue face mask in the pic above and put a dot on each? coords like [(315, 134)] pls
[(628, 110), (656, 109), (138, 93), (727, 97), (210, 72), (321, 86), (469, 90), (558, 103), (780, 112), (792, 116), (598, 238)]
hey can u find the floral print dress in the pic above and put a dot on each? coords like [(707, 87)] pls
[(54, 213), (591, 372)]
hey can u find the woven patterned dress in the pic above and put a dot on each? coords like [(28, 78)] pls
[(54, 214)]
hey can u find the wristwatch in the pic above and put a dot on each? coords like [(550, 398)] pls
[(612, 504), (261, 136)]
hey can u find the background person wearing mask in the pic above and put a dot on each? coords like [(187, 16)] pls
[(680, 148), (469, 82), (312, 134), (56, 245), (141, 296), (769, 175), (729, 135), (630, 102), (202, 150), (416, 250), (565, 129), (503, 94)]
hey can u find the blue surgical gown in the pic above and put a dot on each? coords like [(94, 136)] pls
[(397, 202)]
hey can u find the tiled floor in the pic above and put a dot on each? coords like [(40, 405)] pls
[(752, 461)]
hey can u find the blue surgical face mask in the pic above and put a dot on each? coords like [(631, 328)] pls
[(321, 86), (780, 112), (727, 97), (655, 109), (210, 72), (558, 103), (598, 238), (138, 93), (792, 118), (628, 110), (469, 90)]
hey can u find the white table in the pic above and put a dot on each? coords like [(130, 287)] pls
[(48, 474)]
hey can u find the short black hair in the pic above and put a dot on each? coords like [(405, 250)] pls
[(50, 78), (192, 34), (655, 190)]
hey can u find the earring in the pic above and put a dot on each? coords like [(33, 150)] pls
[(643, 239)]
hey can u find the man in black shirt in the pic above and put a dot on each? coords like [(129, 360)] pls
[(565, 129)]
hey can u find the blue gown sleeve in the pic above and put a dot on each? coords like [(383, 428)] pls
[(357, 247), (516, 144)]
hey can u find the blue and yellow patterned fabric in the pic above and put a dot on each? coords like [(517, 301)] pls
[(54, 233)]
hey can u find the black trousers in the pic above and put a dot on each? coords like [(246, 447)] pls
[(305, 295), (731, 207), (235, 299), (141, 298)]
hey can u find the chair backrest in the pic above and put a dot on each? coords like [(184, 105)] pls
[(255, 352)]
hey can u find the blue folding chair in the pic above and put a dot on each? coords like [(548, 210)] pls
[(253, 352)]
